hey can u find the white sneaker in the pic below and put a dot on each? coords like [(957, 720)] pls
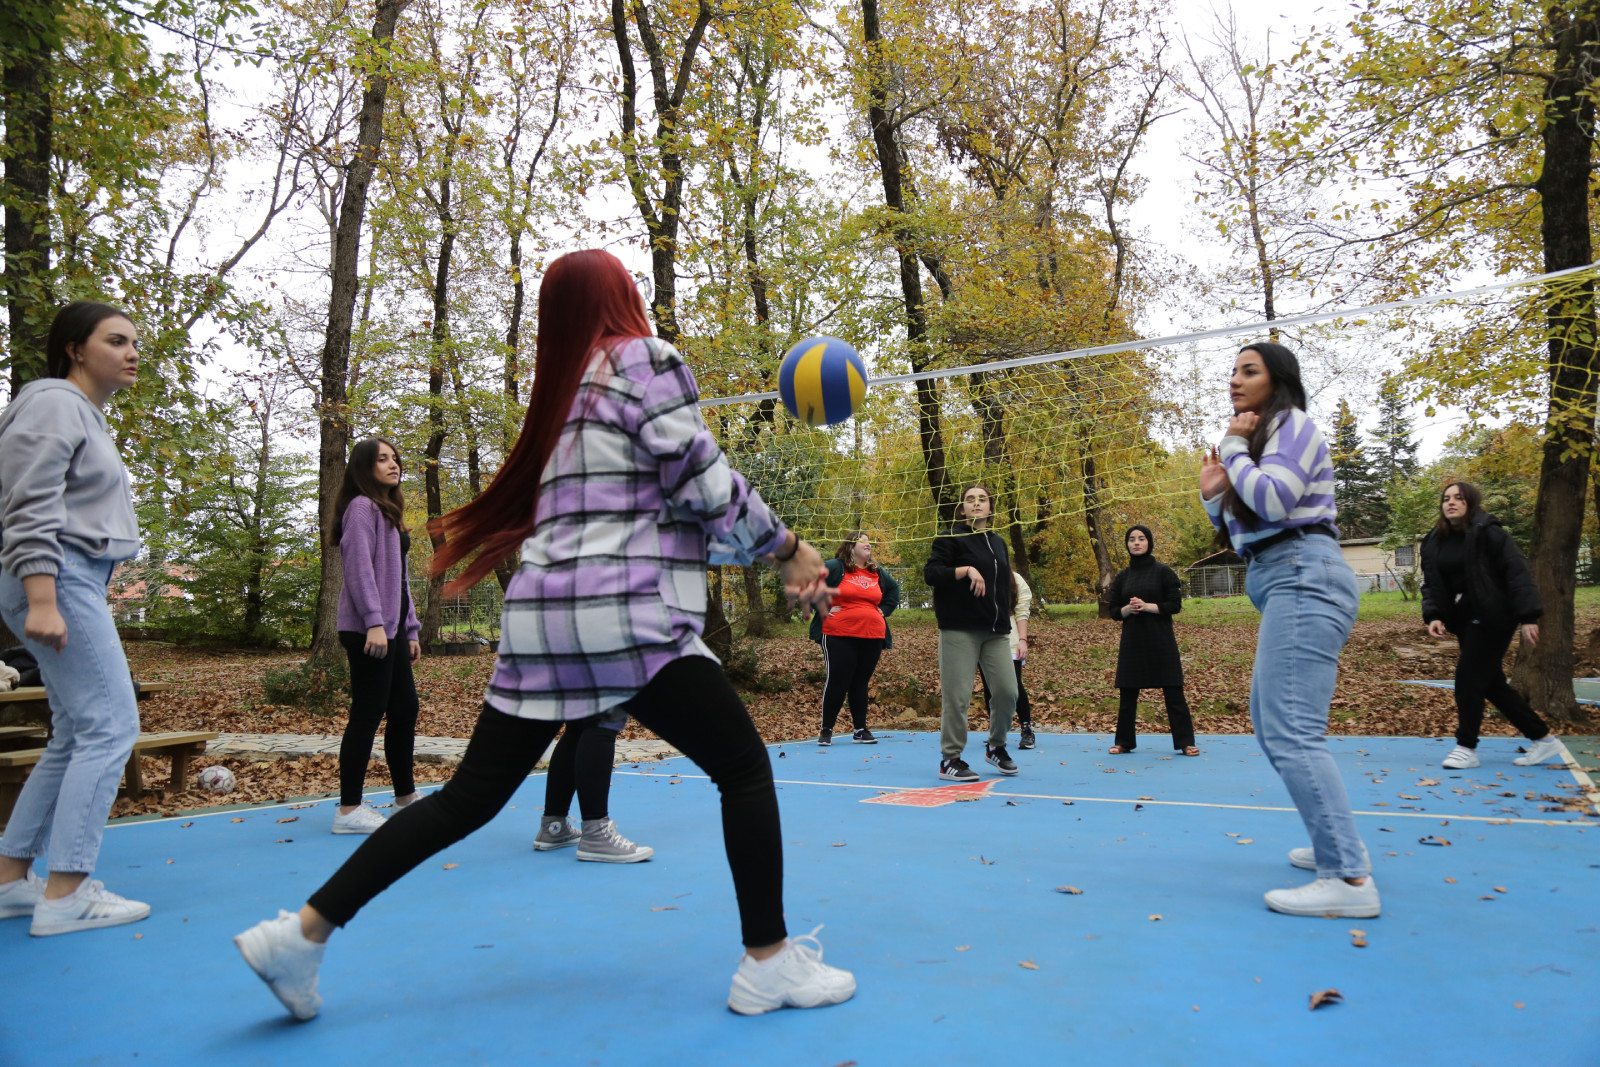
[(282, 957), (18, 898), (1332, 898), (1461, 757), (795, 978), (362, 820), (88, 907), (1306, 858), (1546, 748)]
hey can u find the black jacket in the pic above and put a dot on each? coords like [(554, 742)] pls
[(1148, 656), (954, 606), (1500, 586)]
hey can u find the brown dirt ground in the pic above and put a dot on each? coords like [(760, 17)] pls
[(1068, 675)]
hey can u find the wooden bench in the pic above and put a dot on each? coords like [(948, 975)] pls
[(15, 763), (29, 705)]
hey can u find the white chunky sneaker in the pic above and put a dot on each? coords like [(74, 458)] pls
[(1332, 898), (1306, 858), (18, 898), (601, 843), (1461, 758), (362, 820), (1546, 748), (89, 907), (795, 978), (282, 957)]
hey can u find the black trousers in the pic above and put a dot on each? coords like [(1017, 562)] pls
[(581, 764), (379, 689), (1024, 708), (850, 662), (1480, 677), (689, 703), (1177, 714)]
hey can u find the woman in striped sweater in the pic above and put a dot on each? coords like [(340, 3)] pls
[(1269, 491)]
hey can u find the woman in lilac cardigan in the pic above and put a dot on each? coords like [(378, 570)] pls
[(378, 629)]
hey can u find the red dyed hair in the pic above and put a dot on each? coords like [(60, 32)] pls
[(587, 302)]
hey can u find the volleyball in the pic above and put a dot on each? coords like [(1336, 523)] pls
[(217, 780), (822, 381)]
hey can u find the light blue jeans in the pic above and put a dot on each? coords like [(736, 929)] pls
[(94, 716), (1307, 597)]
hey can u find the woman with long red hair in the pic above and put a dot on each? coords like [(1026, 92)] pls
[(616, 498)]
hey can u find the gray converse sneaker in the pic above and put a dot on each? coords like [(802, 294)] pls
[(556, 833), (797, 978), (602, 844), (89, 907), (19, 897), (1546, 748), (283, 958)]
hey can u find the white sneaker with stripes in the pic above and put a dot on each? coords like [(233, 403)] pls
[(89, 907), (18, 898)]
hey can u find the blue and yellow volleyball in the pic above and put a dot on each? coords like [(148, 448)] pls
[(822, 381)]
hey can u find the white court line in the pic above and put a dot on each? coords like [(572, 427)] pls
[(1164, 803), (1585, 783)]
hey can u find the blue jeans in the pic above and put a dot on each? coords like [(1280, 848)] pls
[(94, 716), (1307, 597)]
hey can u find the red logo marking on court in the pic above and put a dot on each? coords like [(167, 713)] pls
[(937, 796)]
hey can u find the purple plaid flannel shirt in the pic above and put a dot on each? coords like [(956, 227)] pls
[(636, 500)]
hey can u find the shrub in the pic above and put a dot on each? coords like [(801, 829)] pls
[(320, 688)]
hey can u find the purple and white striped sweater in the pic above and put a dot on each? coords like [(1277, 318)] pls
[(636, 500), (1290, 486)]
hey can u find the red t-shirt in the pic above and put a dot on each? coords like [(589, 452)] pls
[(855, 610)]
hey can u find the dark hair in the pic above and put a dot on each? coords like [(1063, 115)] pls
[(73, 325), (1288, 391), (1470, 494), (359, 481), (587, 302), (847, 551), (961, 515)]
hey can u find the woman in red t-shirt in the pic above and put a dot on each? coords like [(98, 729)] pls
[(854, 634)]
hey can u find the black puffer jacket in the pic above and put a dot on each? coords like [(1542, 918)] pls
[(953, 603), (1500, 587)]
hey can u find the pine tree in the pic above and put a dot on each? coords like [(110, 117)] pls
[(1395, 458), (1356, 493)]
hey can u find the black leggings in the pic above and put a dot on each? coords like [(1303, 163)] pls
[(581, 764), (1024, 708), (1177, 715), (689, 704), (1480, 677), (379, 689), (850, 662)]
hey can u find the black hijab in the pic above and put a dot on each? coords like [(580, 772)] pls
[(1149, 557)]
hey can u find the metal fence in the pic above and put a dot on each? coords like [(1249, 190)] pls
[(1219, 580), (471, 618)]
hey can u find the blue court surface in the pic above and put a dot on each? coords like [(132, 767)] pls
[(947, 910)]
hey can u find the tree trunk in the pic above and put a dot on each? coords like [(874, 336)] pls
[(1545, 672), (1094, 520), (718, 635), (755, 622), (332, 412), (29, 140)]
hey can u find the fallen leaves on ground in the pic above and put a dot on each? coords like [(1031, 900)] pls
[(1029, 964), (1155, 918), (1325, 996), (1431, 840), (665, 907), (451, 866), (1070, 889)]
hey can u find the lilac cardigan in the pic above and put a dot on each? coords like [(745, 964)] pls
[(370, 548)]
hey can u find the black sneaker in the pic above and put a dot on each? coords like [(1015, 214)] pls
[(864, 736), (1001, 761), (1027, 737), (825, 737), (956, 770)]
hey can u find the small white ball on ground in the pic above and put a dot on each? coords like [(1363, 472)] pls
[(217, 780)]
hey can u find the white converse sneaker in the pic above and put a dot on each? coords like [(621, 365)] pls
[(1546, 748), (18, 898), (362, 820), (89, 907), (1332, 898), (1306, 858), (1461, 757), (282, 957), (795, 978)]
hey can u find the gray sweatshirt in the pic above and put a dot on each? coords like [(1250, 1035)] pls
[(61, 480)]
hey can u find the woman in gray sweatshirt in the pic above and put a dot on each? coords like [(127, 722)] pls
[(66, 521)]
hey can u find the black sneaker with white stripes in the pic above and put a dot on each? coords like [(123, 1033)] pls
[(956, 770), (864, 736), (1000, 759)]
